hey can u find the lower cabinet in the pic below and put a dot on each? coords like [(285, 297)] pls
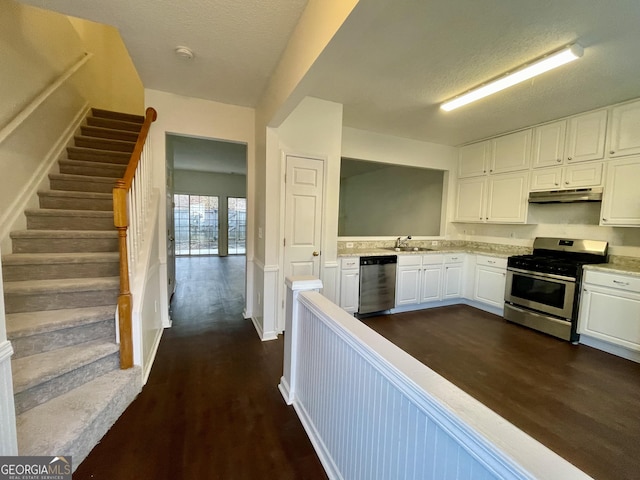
[(452, 276), (491, 274), (428, 278), (350, 284), (610, 309)]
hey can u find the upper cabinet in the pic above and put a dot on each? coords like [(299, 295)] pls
[(474, 159), (620, 200), (624, 135), (585, 137), (548, 144), (511, 153)]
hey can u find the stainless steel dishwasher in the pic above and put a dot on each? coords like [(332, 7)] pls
[(377, 283)]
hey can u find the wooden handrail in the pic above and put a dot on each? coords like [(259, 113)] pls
[(121, 222)]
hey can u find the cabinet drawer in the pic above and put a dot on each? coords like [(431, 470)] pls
[(350, 263), (621, 282), (432, 259), (497, 262), (409, 260), (454, 258)]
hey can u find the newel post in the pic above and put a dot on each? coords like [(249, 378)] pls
[(295, 285), (120, 220)]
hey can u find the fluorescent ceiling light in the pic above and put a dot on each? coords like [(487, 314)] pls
[(545, 64)]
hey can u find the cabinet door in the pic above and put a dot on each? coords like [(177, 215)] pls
[(511, 153), (408, 286), (452, 281), (431, 277), (624, 136), (349, 290), (489, 286), (621, 199), (610, 315), (507, 198), (473, 159), (546, 179), (585, 138), (583, 175), (548, 144), (470, 199)]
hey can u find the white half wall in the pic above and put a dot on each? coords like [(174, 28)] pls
[(8, 436)]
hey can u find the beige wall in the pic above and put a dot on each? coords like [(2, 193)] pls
[(110, 81)]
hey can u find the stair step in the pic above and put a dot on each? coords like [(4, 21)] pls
[(57, 219), (41, 377), (104, 144), (95, 155), (64, 199), (37, 332), (64, 241), (75, 422), (92, 169), (38, 295), (127, 117), (81, 183), (99, 132), (115, 124), (17, 267)]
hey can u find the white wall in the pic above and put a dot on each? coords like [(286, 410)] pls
[(206, 119), (313, 129), (365, 145)]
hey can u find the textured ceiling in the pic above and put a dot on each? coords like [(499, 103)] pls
[(392, 62)]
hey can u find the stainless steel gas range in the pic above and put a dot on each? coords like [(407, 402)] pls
[(543, 289)]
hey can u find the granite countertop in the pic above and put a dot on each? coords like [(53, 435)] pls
[(494, 250), (618, 264)]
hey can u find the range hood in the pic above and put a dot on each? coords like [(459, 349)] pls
[(566, 196)]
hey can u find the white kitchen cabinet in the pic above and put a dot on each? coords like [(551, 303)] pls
[(452, 276), (493, 199), (586, 136), (624, 134), (473, 160), (507, 198), (548, 144), (350, 284), (408, 279), (511, 153), (621, 197), (470, 199), (610, 309), (583, 175), (546, 179), (572, 176), (490, 279), (431, 283)]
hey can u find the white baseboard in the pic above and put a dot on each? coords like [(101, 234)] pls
[(610, 348), (285, 390), (152, 357), (264, 336)]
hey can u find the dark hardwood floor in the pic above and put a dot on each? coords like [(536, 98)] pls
[(211, 408), (582, 403)]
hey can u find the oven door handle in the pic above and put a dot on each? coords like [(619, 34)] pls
[(530, 273)]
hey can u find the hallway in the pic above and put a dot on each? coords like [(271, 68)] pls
[(211, 408)]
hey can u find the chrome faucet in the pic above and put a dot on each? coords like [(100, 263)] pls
[(402, 243)]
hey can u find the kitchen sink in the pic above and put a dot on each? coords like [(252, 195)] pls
[(410, 249)]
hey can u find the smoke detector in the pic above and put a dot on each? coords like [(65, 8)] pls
[(184, 52)]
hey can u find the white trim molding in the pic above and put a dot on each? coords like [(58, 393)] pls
[(329, 277), (8, 435), (270, 328)]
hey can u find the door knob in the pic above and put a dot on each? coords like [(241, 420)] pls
[(315, 254)]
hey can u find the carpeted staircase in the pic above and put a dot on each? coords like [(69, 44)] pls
[(61, 286)]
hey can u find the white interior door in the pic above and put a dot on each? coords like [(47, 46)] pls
[(304, 184)]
